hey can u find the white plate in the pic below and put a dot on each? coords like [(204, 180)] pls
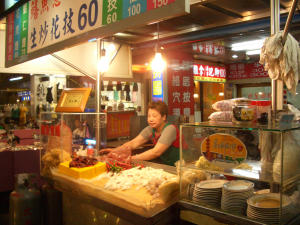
[(238, 185), (211, 184)]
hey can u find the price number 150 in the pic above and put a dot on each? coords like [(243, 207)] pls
[(159, 3)]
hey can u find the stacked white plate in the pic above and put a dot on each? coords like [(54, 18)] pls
[(266, 207), (190, 191), (235, 194), (209, 192)]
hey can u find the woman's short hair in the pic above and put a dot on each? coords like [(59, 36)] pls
[(160, 106)]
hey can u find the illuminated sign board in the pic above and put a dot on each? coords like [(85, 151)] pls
[(157, 86), (209, 73)]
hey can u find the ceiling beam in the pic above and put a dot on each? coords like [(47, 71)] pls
[(222, 10)]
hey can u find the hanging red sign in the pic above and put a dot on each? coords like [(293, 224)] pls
[(180, 91), (245, 71)]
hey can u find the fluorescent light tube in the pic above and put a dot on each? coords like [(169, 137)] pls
[(15, 78), (247, 45)]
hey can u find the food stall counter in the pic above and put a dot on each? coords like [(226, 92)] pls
[(120, 207)]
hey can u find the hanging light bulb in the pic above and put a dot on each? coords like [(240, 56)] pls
[(158, 64), (103, 63)]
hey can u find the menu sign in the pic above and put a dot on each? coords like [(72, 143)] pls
[(245, 71), (224, 150), (17, 32), (181, 91), (44, 23), (209, 73), (55, 20)]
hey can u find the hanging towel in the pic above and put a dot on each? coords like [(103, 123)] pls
[(282, 61)]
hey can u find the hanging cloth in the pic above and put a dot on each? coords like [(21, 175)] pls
[(128, 99), (102, 85), (119, 86), (116, 96), (109, 86), (135, 87), (127, 87), (49, 96)]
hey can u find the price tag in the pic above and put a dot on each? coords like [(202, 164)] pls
[(112, 11), (133, 7), (154, 4)]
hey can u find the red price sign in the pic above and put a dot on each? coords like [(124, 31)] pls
[(154, 4)]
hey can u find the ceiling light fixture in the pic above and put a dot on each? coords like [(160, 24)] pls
[(15, 78), (247, 45), (158, 64)]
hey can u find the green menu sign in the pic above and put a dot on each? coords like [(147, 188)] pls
[(112, 11), (24, 29)]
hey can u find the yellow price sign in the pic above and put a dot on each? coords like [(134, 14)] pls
[(224, 150)]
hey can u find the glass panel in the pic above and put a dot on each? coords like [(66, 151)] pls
[(264, 181), (62, 134)]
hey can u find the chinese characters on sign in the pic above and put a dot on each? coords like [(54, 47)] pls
[(180, 92), (52, 21), (10, 37), (16, 35), (209, 73), (42, 23), (209, 48), (245, 71)]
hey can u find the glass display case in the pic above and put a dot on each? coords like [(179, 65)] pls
[(63, 134), (251, 173)]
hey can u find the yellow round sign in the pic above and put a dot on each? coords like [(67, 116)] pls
[(225, 150)]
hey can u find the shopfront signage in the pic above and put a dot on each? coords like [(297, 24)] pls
[(224, 150), (24, 95), (237, 71), (181, 90), (17, 33), (157, 86), (209, 48), (52, 25), (209, 73)]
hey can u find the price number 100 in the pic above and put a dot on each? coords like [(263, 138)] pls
[(159, 3), (135, 9)]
